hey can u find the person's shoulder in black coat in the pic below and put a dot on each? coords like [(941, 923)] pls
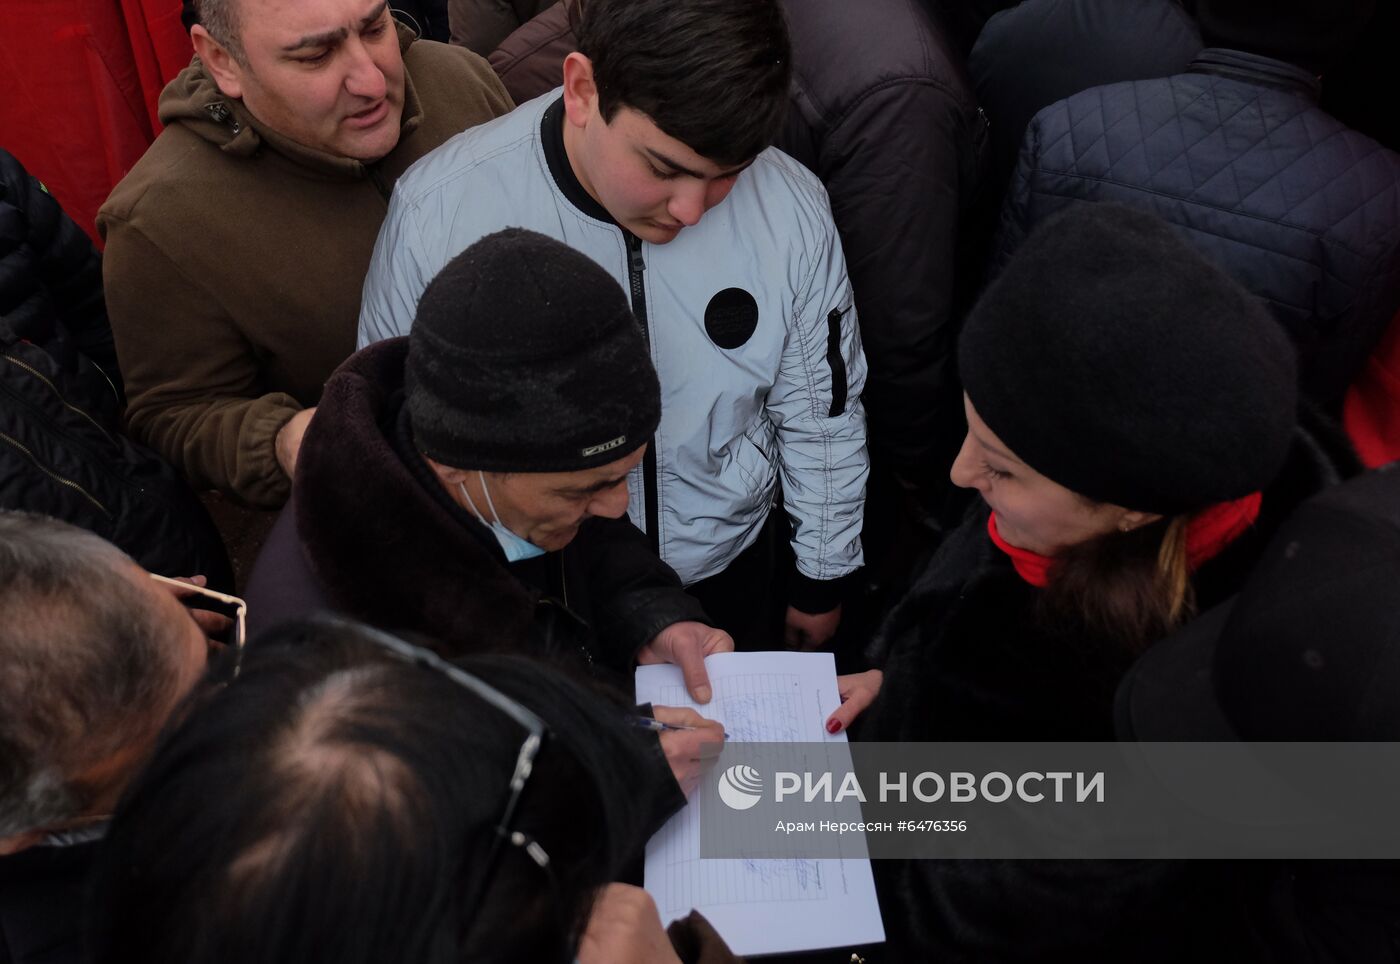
[(50, 275), (882, 111), (1041, 51), (62, 452)]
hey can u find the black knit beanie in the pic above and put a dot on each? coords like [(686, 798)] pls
[(524, 357), (1115, 360)]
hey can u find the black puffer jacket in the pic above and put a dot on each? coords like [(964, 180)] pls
[(1235, 153), (966, 18), (61, 452), (51, 282), (370, 532)]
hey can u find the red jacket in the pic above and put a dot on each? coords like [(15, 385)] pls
[(1372, 409), (81, 80)]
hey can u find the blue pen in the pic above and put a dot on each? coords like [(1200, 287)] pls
[(657, 726)]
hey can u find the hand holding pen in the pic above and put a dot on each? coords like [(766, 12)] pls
[(687, 739), (657, 726)]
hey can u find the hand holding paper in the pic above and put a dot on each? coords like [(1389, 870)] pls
[(686, 644), (858, 691)]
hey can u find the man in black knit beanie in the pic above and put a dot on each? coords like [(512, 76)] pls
[(468, 482)]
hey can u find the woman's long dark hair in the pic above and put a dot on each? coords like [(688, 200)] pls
[(1122, 591), (334, 804)]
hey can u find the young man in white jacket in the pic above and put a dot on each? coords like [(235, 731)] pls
[(653, 159)]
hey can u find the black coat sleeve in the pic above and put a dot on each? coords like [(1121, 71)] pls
[(633, 594), (667, 797), (899, 168)]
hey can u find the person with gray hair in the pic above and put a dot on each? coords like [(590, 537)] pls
[(95, 654)]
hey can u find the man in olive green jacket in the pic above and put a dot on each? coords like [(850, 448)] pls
[(237, 246)]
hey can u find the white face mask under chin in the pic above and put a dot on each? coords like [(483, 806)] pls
[(511, 544)]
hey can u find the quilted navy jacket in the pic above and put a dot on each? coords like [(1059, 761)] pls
[(1297, 207)]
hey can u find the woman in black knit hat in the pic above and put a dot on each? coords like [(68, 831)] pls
[(1134, 436)]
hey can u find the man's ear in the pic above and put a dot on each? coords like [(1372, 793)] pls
[(222, 65), (580, 92), (448, 475)]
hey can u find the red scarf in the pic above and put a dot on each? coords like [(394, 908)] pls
[(1208, 532)]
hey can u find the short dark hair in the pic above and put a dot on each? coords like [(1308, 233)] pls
[(1310, 33), (85, 666), (713, 74), (334, 803), (220, 19)]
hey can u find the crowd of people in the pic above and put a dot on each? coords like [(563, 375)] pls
[(1001, 349)]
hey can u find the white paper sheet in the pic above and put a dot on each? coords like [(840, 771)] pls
[(760, 906)]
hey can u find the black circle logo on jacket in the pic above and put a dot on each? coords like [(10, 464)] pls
[(731, 317)]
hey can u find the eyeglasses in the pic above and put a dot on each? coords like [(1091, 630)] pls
[(240, 612), (534, 727)]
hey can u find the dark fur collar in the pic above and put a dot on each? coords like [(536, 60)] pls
[(383, 547)]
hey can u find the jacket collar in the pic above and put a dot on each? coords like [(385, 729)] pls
[(194, 100), (1255, 69), (431, 567), (552, 141)]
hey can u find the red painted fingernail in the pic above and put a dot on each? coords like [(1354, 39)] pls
[(833, 726)]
